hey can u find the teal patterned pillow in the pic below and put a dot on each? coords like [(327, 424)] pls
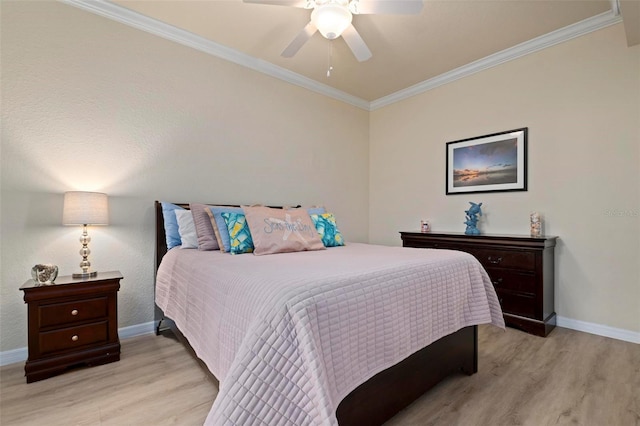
[(326, 226), (239, 236)]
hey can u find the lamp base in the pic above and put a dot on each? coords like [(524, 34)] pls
[(84, 274)]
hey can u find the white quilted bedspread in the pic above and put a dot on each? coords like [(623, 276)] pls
[(290, 335)]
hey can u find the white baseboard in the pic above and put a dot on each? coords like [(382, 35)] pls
[(20, 354), (12, 356), (137, 330), (599, 329)]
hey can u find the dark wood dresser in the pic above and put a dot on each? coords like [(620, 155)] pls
[(71, 322), (521, 269)]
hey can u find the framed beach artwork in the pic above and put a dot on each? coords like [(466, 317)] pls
[(489, 163)]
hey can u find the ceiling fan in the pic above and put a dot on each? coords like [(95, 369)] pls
[(333, 19)]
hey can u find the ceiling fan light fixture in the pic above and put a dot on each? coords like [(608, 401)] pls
[(331, 19), (354, 7)]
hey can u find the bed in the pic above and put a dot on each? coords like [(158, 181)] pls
[(338, 336)]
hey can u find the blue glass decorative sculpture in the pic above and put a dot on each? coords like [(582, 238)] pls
[(472, 218)]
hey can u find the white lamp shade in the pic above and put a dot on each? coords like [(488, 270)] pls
[(85, 208), (331, 19)]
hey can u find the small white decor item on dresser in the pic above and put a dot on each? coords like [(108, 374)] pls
[(85, 208), (536, 224), (44, 273)]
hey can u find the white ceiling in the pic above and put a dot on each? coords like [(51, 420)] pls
[(407, 50)]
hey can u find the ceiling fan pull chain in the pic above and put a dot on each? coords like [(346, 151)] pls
[(329, 67)]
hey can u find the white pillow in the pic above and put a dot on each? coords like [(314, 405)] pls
[(187, 229)]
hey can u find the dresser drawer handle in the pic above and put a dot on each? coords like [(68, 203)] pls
[(74, 312), (497, 282), (494, 260), (74, 338)]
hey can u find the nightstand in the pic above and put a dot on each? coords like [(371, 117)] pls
[(71, 322)]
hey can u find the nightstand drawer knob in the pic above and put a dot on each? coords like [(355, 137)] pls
[(494, 260), (74, 312), (74, 338)]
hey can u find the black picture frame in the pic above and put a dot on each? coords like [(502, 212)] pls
[(490, 163)]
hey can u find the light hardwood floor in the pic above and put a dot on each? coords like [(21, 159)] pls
[(567, 378)]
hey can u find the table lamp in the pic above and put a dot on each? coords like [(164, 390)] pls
[(85, 208)]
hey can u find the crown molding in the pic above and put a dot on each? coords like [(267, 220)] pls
[(555, 37), (615, 7), (137, 20), (134, 19)]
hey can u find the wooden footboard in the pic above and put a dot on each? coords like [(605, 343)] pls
[(388, 392), (391, 390)]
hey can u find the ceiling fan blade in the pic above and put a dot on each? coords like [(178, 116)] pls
[(356, 44), (290, 3), (389, 7), (302, 37)]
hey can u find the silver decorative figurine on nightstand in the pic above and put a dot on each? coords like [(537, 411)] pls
[(44, 273)]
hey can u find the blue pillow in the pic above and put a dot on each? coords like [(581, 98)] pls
[(239, 234), (316, 210), (221, 225), (328, 229), (171, 229)]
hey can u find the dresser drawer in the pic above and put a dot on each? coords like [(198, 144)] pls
[(521, 268), (517, 304), (507, 279), (71, 312), (514, 259), (434, 245), (73, 337)]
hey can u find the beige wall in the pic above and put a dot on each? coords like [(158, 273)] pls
[(90, 104), (581, 103)]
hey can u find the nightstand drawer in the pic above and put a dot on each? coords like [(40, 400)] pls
[(70, 312), (513, 259), (73, 337), (517, 304), (506, 279)]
